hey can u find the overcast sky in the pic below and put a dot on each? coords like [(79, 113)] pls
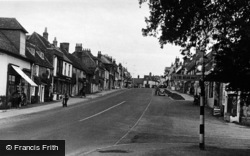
[(110, 26)]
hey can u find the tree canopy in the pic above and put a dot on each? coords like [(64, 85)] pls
[(220, 25)]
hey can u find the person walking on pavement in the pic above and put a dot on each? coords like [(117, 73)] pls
[(65, 100), (83, 92)]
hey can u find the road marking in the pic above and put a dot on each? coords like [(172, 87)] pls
[(134, 124), (101, 112)]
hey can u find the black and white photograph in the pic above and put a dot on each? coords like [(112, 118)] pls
[(124, 77)]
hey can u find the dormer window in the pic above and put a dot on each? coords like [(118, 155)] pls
[(41, 54), (31, 50)]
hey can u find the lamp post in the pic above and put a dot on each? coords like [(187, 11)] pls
[(202, 106), (202, 95)]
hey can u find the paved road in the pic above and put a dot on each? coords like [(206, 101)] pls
[(98, 123), (131, 122)]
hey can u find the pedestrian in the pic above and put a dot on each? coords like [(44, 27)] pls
[(65, 100), (156, 90), (83, 92), (23, 98), (15, 101)]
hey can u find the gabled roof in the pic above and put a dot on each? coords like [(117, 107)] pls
[(11, 24), (48, 48), (39, 41), (37, 59), (105, 60), (86, 60)]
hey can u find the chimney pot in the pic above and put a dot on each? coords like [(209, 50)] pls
[(45, 34), (55, 42)]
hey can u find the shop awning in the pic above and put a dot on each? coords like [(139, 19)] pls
[(21, 73)]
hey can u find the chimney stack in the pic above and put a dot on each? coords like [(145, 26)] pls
[(64, 46), (45, 34), (55, 42), (78, 47), (99, 54)]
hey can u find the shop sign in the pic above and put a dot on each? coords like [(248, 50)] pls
[(185, 77)]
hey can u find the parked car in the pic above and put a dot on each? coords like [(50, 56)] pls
[(160, 90)]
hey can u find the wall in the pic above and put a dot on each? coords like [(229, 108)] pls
[(4, 61), (55, 65), (210, 94), (151, 83)]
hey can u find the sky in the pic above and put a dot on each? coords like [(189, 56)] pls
[(110, 26)]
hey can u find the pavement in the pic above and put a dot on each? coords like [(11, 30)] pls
[(34, 108), (185, 96)]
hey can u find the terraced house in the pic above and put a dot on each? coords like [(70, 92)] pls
[(62, 73)]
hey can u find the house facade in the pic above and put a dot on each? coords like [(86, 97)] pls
[(62, 73), (15, 66), (41, 73)]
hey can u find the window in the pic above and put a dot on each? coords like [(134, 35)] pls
[(22, 43), (12, 79), (41, 54), (37, 70), (32, 51), (211, 89), (65, 66), (48, 72), (69, 71)]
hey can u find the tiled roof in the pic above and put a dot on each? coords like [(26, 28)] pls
[(11, 24), (60, 52), (8, 47), (6, 44), (86, 61), (105, 60), (50, 52), (39, 41), (37, 59)]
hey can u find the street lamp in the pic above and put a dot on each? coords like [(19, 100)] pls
[(202, 106), (202, 99), (202, 94)]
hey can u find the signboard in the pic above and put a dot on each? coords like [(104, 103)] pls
[(186, 77)]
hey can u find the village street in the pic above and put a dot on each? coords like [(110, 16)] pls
[(130, 122)]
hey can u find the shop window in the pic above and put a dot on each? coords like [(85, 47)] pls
[(12, 79)]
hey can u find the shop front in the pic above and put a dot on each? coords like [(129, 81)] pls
[(18, 87)]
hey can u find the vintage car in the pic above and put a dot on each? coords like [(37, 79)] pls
[(161, 90)]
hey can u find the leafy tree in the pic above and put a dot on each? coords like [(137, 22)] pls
[(221, 25)]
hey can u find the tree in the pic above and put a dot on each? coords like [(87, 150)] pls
[(221, 25)]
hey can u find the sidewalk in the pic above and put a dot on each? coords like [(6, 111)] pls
[(33, 108), (185, 96)]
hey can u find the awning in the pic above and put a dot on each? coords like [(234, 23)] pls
[(21, 73)]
